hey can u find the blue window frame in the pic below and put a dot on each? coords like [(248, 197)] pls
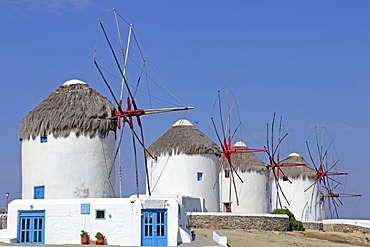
[(100, 214), (199, 176), (43, 139), (31, 227), (154, 227), (39, 192), (85, 208)]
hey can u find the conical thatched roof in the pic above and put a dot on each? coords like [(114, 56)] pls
[(73, 106), (296, 171), (183, 138), (246, 161)]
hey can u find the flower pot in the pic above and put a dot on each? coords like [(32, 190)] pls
[(84, 240), (100, 241)]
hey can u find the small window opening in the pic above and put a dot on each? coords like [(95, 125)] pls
[(43, 139), (285, 178), (227, 207), (85, 208), (200, 176), (227, 173), (156, 159), (100, 214)]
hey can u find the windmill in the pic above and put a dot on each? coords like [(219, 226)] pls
[(327, 178), (273, 145), (126, 67), (228, 116)]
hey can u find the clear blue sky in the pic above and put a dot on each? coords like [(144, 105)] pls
[(309, 61)]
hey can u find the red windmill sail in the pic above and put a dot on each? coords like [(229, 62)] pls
[(227, 150), (275, 165)]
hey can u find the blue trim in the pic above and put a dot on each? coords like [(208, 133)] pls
[(199, 176), (96, 214), (39, 192), (43, 139), (31, 227), (85, 208)]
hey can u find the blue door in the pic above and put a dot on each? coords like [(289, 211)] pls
[(154, 227), (31, 227), (39, 192)]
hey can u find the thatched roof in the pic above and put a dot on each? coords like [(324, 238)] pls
[(246, 161), (183, 138), (296, 171), (73, 106)]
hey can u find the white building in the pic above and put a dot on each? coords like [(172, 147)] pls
[(123, 221), (186, 162), (253, 192), (68, 145), (305, 205)]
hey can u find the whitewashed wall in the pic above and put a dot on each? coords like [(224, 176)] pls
[(253, 193), (305, 206), (177, 174), (68, 167), (122, 225)]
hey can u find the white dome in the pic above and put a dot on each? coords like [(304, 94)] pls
[(183, 122), (240, 144), (73, 81), (294, 155)]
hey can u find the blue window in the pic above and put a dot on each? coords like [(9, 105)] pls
[(154, 227), (39, 192), (200, 176), (31, 227), (85, 208), (43, 139), (100, 214)]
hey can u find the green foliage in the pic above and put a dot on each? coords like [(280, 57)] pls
[(99, 235), (293, 223), (84, 234)]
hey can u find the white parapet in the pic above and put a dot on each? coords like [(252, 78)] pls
[(220, 238)]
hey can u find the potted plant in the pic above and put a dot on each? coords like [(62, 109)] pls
[(99, 238), (84, 237)]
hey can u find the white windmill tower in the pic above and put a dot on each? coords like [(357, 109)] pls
[(304, 203), (253, 192), (68, 145), (185, 163)]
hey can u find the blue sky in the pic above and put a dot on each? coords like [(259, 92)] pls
[(309, 61)]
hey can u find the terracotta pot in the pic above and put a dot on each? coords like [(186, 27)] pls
[(100, 241), (84, 240)]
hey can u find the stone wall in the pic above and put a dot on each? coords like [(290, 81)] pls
[(345, 228), (266, 222), (313, 225)]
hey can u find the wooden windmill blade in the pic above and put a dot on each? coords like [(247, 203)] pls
[(229, 125), (127, 115), (328, 175), (275, 166), (225, 141), (132, 113)]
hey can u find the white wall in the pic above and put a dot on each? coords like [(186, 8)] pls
[(253, 192), (68, 167), (177, 174), (305, 206), (122, 225)]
